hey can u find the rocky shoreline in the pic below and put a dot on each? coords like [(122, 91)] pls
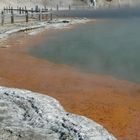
[(36, 27), (25, 115)]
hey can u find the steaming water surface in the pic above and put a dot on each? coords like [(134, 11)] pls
[(110, 47)]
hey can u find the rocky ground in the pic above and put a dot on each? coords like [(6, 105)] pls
[(25, 115), (36, 26)]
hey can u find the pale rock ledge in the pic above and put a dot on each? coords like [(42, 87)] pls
[(25, 115)]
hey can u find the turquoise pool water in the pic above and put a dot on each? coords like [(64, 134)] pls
[(110, 47)]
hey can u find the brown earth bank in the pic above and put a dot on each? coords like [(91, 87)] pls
[(113, 103)]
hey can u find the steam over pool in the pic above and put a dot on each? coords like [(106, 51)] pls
[(110, 47)]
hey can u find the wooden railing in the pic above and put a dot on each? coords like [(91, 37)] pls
[(13, 15)]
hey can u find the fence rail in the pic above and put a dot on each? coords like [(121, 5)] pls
[(13, 15)]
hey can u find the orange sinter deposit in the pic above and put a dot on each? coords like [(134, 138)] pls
[(113, 103)]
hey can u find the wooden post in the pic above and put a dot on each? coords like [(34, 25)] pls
[(36, 8), (2, 18), (51, 18), (57, 7), (39, 18), (12, 16), (69, 7), (25, 9), (27, 16), (40, 15), (20, 10)]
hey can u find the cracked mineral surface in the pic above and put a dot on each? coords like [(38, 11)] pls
[(25, 115)]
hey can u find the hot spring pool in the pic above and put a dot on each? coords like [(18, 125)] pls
[(110, 47)]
